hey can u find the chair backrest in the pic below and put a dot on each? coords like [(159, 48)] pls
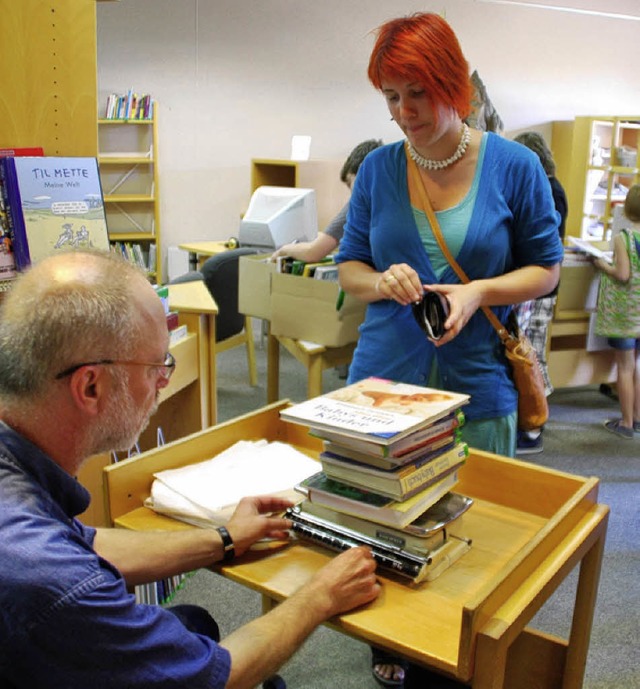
[(221, 278)]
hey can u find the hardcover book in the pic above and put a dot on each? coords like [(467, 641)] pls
[(377, 410), (401, 483), (53, 204), (7, 259), (394, 453), (366, 504), (439, 444)]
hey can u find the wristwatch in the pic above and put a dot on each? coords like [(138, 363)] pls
[(227, 544)]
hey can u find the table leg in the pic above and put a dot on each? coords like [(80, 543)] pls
[(273, 368), (314, 382), (582, 622)]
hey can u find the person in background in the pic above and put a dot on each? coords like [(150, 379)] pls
[(534, 317), (83, 358), (494, 204), (328, 240), (618, 315)]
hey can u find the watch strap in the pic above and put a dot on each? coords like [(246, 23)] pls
[(227, 544)]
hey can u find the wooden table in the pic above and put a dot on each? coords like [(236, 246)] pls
[(316, 358), (199, 251), (530, 526), (197, 310)]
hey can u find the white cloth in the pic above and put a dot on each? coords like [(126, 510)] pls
[(207, 493)]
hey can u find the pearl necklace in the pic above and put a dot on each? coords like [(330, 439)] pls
[(428, 164)]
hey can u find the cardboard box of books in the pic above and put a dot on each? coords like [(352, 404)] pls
[(254, 285), (304, 308)]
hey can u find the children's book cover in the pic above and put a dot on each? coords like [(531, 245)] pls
[(54, 203), (374, 408)]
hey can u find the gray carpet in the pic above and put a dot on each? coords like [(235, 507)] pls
[(574, 441)]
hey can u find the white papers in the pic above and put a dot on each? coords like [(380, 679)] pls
[(208, 492), (588, 248)]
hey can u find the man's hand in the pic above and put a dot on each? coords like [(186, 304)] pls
[(347, 582), (253, 520)]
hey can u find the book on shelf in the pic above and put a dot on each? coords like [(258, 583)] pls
[(7, 258), (129, 106), (375, 410), (54, 203), (401, 483), (366, 504)]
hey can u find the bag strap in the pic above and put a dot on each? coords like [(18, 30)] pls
[(418, 186)]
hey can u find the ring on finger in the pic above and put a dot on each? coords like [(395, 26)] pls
[(390, 278)]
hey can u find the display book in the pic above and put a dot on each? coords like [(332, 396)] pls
[(7, 259), (53, 203), (378, 412)]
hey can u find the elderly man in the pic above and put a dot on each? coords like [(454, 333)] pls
[(83, 356)]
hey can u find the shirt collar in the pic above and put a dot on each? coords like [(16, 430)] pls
[(63, 488)]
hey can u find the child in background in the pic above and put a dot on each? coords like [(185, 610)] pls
[(618, 315)]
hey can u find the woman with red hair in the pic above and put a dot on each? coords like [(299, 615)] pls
[(493, 203)]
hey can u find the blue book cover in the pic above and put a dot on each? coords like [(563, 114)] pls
[(54, 203)]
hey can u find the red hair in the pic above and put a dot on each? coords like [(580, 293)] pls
[(423, 48)]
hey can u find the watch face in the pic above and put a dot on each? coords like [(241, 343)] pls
[(431, 313)]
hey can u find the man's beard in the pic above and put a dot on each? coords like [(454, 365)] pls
[(121, 422)]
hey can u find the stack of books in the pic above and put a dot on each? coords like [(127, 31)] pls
[(389, 466)]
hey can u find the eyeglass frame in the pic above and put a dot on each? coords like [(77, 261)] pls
[(166, 368)]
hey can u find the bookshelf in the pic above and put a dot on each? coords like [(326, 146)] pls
[(128, 158), (597, 161)]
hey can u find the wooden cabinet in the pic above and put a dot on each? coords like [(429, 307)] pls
[(128, 157), (597, 161), (321, 175)]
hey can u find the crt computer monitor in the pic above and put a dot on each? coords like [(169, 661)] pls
[(277, 216)]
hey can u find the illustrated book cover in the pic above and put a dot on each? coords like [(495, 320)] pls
[(366, 504), (374, 409), (53, 203), (400, 483)]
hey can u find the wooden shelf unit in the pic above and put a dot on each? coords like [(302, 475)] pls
[(594, 171), (129, 174)]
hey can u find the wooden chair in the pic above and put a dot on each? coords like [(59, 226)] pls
[(220, 274)]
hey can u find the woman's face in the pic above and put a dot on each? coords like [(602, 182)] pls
[(421, 122)]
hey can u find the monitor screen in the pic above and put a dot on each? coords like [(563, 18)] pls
[(279, 215)]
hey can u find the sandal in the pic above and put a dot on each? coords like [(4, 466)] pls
[(380, 657)]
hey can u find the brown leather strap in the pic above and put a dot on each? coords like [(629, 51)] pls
[(418, 185)]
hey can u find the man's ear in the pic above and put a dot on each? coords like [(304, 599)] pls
[(89, 386)]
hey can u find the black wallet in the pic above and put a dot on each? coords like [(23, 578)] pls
[(430, 313)]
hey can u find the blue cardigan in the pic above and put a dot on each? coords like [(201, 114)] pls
[(513, 224)]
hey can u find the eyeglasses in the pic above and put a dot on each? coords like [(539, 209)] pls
[(166, 368)]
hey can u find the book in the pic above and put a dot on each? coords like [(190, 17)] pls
[(7, 258), (54, 203), (395, 453), (366, 504), (399, 538), (374, 409), (401, 483)]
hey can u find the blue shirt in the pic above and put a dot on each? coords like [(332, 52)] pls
[(513, 224), (66, 618)]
